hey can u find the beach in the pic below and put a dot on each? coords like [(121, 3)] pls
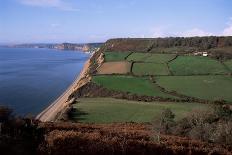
[(50, 113)]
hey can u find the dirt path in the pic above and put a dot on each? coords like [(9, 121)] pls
[(50, 113)]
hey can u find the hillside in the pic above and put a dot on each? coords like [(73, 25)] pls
[(220, 47)]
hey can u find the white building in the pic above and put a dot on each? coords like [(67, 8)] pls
[(204, 54)]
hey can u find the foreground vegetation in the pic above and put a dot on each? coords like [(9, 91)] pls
[(109, 110), (27, 136)]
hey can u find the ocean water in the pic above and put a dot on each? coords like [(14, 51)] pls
[(30, 79)]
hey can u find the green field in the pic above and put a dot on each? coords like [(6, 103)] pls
[(138, 57), (160, 58), (148, 57), (228, 63), (108, 110), (204, 87), (115, 56), (133, 85), (150, 69), (196, 65)]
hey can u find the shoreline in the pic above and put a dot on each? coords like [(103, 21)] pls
[(50, 113)]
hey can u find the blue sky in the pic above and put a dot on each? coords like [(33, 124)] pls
[(56, 21)]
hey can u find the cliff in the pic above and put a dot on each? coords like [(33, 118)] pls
[(88, 47)]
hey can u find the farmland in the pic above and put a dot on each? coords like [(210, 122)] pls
[(195, 65), (115, 56), (150, 69), (191, 76), (122, 67), (108, 110), (133, 85), (160, 58), (229, 64), (148, 57), (204, 87)]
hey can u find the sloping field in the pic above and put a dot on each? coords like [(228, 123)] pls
[(122, 67), (196, 65), (108, 110), (150, 69), (138, 57), (115, 56), (229, 64), (148, 57), (160, 58), (204, 87), (134, 85)]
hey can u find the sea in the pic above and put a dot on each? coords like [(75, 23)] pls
[(31, 79)]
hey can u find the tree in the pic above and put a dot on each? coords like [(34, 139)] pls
[(164, 123)]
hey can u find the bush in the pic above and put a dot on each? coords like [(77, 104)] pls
[(211, 126), (5, 114), (165, 122)]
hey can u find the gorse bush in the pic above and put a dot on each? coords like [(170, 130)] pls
[(211, 126)]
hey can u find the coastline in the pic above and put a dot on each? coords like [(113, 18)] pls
[(50, 113)]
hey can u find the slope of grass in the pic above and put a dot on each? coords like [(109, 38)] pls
[(228, 63), (204, 87), (138, 57), (133, 85), (196, 65), (150, 69), (108, 110), (115, 56), (160, 58)]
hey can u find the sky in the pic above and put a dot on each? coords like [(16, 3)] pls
[(83, 21)]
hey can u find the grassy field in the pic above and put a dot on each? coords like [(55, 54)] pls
[(160, 58), (228, 63), (148, 57), (204, 87), (115, 56), (133, 85), (108, 110), (196, 65), (138, 56), (150, 69)]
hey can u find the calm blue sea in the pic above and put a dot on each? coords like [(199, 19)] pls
[(30, 79)]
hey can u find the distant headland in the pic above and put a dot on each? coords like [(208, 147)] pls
[(86, 47)]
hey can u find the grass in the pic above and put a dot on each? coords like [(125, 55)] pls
[(138, 56), (228, 63), (150, 69), (148, 57), (115, 56), (133, 85), (160, 58), (108, 110), (196, 65), (204, 87)]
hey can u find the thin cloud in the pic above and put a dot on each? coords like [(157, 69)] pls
[(59, 4), (195, 32), (228, 30)]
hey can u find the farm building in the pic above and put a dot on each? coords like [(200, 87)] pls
[(204, 54)]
